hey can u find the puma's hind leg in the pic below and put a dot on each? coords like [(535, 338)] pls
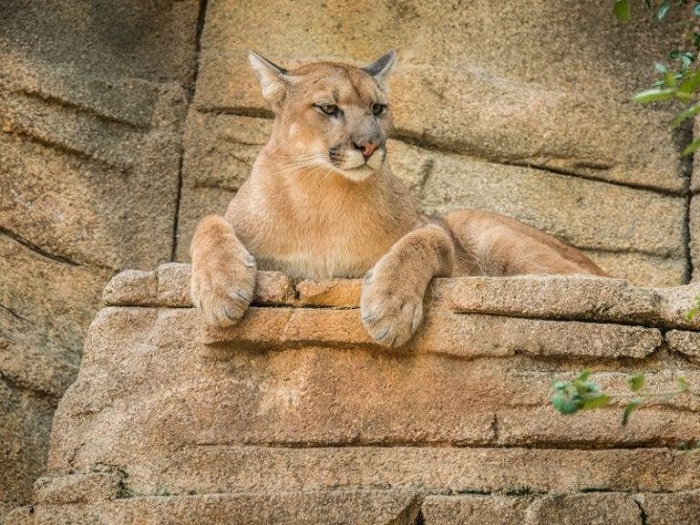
[(223, 272), (392, 291), (490, 244)]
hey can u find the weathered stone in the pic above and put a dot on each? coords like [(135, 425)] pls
[(475, 509), (671, 509), (584, 509), (344, 293), (321, 508), (694, 229), (602, 428), (91, 110), (131, 288), (640, 268), (576, 210), (123, 40), (432, 470), (24, 432), (557, 297), (685, 343), (79, 488), (127, 204)]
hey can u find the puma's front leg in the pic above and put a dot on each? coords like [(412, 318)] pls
[(223, 272), (392, 291)]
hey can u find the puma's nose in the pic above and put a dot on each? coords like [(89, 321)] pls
[(367, 148)]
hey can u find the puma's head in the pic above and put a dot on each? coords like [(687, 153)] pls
[(328, 116)]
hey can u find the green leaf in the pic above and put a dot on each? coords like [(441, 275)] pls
[(696, 10), (682, 383), (661, 69), (690, 148), (654, 95), (622, 10), (564, 404), (631, 406), (682, 117), (637, 382), (583, 375), (600, 400), (663, 10)]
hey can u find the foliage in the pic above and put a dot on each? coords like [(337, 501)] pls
[(695, 310), (582, 394), (680, 79)]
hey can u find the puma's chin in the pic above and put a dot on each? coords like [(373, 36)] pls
[(357, 174)]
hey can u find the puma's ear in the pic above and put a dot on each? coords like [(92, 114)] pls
[(273, 79), (381, 67)]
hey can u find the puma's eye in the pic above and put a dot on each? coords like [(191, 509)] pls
[(378, 109), (328, 109)]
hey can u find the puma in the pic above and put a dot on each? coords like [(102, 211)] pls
[(322, 202)]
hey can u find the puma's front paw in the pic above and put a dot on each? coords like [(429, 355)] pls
[(222, 287), (391, 311)]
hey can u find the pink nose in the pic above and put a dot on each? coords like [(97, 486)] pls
[(367, 148)]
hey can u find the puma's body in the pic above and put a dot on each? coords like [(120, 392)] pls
[(322, 202)]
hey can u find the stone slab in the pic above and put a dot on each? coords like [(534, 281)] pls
[(322, 508), (132, 40), (432, 470), (538, 297), (694, 231), (671, 509), (148, 384), (572, 509)]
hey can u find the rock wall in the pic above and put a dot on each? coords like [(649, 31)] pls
[(122, 123), (296, 416)]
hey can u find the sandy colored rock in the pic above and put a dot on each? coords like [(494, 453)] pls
[(584, 509), (474, 509), (694, 227), (580, 509), (92, 104), (685, 343), (328, 508), (668, 509)]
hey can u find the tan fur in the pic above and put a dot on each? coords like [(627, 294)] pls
[(322, 202)]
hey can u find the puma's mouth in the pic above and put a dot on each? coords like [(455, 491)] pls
[(353, 164)]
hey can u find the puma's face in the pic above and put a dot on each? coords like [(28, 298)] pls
[(330, 117)]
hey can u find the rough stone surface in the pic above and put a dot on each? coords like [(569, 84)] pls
[(92, 106), (580, 509), (694, 229), (297, 415)]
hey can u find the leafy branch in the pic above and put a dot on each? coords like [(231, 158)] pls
[(676, 83), (582, 394)]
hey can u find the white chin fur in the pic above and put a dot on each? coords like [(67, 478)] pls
[(357, 174), (356, 169)]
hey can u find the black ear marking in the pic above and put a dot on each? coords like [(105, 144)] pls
[(381, 67)]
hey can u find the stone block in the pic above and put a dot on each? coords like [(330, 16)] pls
[(431, 470), (694, 230), (321, 508), (671, 509), (475, 510), (585, 509)]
